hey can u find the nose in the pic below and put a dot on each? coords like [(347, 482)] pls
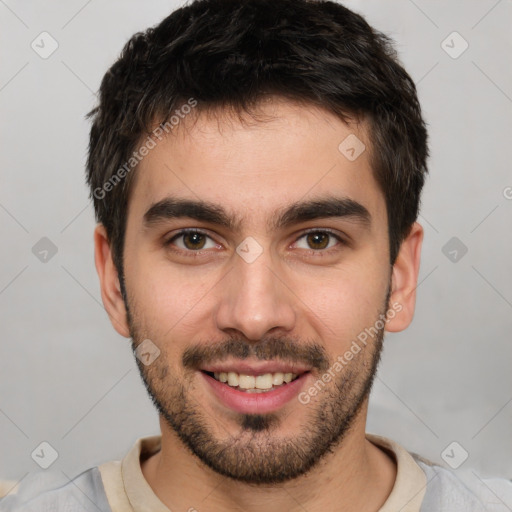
[(255, 300)]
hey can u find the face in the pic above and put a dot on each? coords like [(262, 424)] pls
[(256, 250)]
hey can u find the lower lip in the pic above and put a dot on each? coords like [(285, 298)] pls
[(255, 403)]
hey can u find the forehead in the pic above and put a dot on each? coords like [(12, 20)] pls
[(254, 167)]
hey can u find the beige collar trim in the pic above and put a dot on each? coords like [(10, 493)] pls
[(126, 488), (411, 482)]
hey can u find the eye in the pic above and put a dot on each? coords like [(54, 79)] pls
[(195, 240), (320, 240), (191, 240)]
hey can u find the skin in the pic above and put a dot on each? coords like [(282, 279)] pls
[(288, 293)]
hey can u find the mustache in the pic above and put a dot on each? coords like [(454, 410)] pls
[(270, 348)]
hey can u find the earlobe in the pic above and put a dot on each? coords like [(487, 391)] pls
[(109, 282), (404, 281)]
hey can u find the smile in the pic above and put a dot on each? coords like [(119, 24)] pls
[(255, 391)]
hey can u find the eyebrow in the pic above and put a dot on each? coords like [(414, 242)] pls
[(322, 208)]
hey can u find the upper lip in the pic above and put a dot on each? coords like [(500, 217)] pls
[(256, 368)]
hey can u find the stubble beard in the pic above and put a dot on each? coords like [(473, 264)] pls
[(257, 454)]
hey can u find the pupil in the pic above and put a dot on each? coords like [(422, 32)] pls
[(195, 237), (318, 239)]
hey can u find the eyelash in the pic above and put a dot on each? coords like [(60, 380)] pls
[(199, 253)]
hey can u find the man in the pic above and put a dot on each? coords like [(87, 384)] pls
[(256, 170)]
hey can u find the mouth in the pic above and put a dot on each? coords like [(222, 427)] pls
[(253, 390)]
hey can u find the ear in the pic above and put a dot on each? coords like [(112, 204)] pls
[(404, 280), (109, 282)]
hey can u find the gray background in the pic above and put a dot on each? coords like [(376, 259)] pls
[(66, 377)]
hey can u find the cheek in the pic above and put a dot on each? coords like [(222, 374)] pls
[(167, 298), (344, 304)]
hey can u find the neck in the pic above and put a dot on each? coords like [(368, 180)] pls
[(355, 476)]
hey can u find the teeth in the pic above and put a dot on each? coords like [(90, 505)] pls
[(246, 381), (277, 379), (254, 384), (233, 379), (263, 381)]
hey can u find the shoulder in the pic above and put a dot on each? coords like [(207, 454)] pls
[(47, 492), (465, 491), (429, 487)]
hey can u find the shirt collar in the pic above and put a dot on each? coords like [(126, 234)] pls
[(406, 496)]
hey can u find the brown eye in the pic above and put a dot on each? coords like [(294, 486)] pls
[(319, 240), (194, 240), (191, 240)]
